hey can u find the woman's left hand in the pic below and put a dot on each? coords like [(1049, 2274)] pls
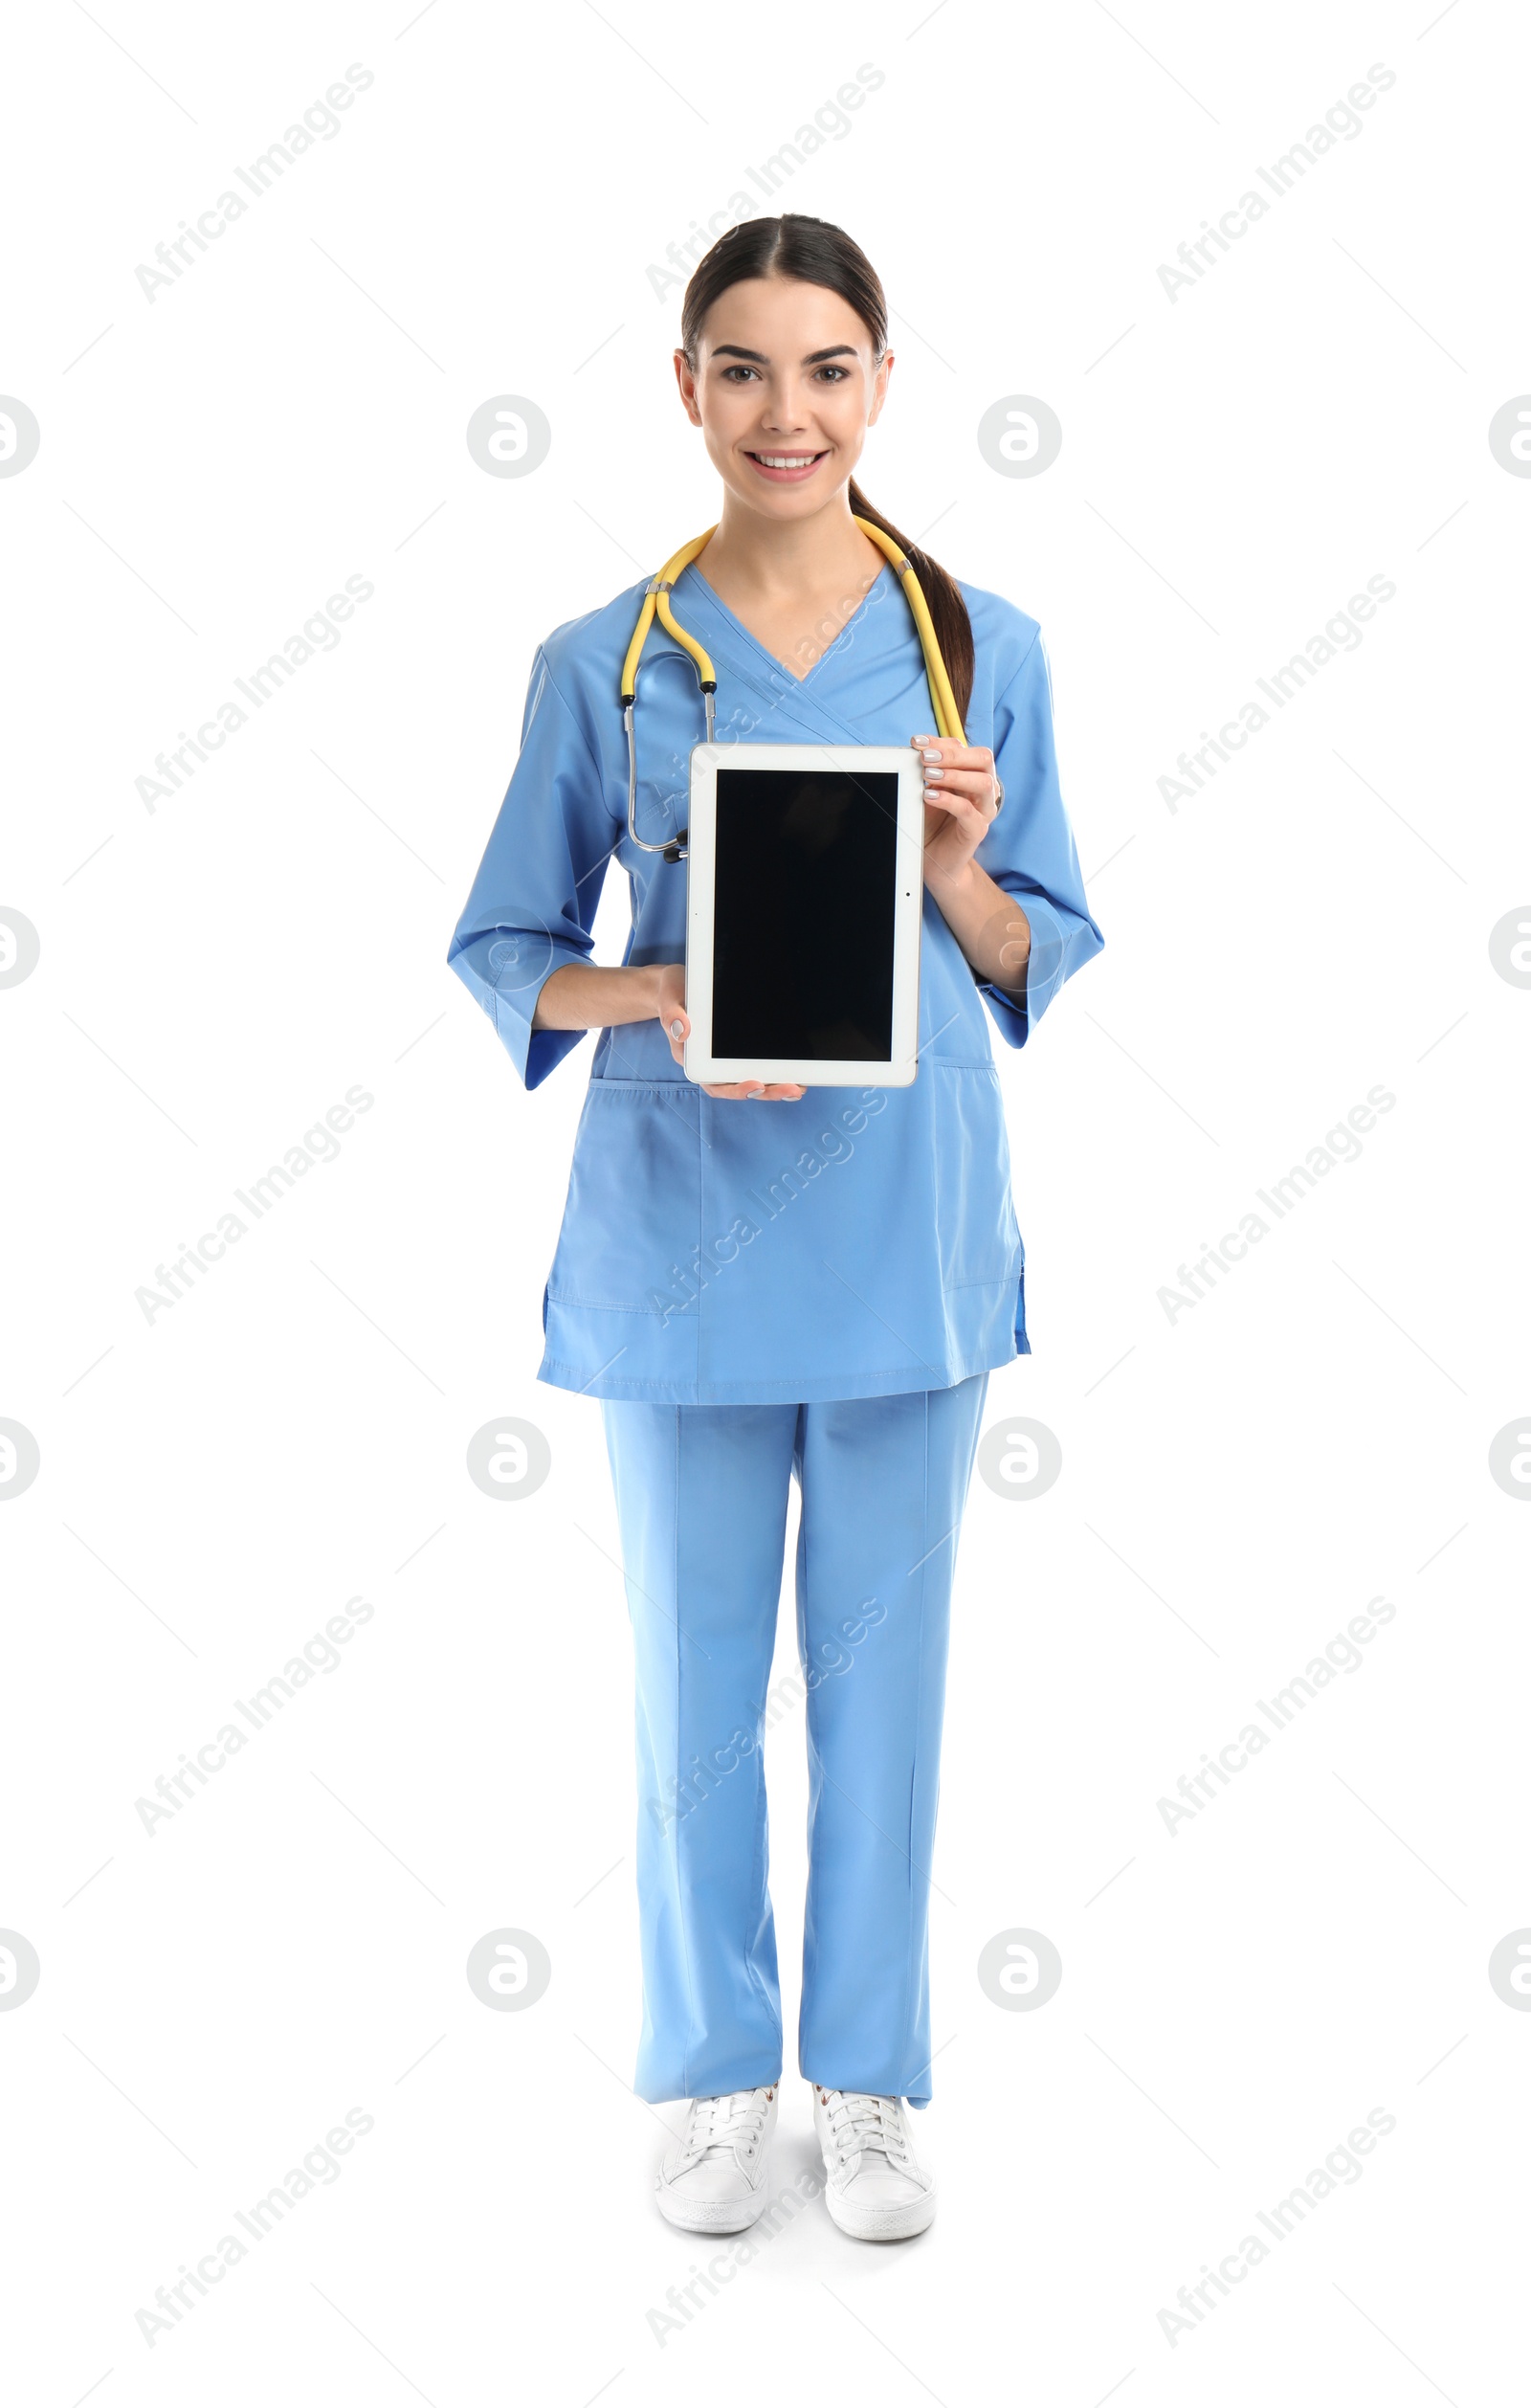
[(962, 797)]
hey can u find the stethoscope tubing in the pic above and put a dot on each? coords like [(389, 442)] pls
[(657, 605)]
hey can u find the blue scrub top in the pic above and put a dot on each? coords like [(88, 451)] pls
[(861, 1242)]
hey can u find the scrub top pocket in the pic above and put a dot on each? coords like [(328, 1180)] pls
[(635, 1195), (977, 1231)]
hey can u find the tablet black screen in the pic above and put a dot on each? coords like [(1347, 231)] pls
[(804, 914)]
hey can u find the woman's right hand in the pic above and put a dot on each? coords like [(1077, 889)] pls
[(675, 1024)]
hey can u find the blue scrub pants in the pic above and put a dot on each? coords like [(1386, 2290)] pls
[(702, 1494)]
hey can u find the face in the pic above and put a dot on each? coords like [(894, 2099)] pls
[(784, 389)]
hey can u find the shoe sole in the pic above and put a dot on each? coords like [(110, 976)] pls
[(881, 2224), (709, 2216)]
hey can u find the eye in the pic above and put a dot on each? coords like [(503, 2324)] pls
[(836, 375), (738, 369)]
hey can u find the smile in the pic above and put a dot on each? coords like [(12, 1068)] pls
[(786, 467)]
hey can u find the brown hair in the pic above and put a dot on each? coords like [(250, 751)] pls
[(814, 252)]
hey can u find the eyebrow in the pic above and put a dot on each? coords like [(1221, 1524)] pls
[(737, 351)]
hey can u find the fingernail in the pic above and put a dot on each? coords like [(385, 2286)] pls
[(932, 756), (931, 776), (677, 1028)]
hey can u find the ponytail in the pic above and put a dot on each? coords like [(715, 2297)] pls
[(948, 611)]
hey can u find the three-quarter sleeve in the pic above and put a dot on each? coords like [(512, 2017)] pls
[(532, 907), (1029, 851)]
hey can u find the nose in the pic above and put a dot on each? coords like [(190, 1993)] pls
[(786, 412)]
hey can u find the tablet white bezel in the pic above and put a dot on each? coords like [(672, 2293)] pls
[(899, 1068)]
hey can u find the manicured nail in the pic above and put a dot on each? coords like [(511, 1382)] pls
[(932, 756), (677, 1028), (931, 775)]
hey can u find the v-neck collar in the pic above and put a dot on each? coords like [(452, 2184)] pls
[(779, 668)]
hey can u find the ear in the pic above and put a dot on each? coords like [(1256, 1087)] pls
[(685, 378), (879, 388)]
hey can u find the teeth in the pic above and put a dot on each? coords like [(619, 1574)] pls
[(783, 459)]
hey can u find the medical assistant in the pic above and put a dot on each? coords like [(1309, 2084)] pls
[(858, 1242)]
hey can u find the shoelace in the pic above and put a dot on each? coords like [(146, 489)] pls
[(859, 2121), (737, 2115)]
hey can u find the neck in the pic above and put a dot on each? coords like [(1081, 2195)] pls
[(751, 553)]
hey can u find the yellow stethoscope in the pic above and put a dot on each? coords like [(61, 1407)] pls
[(656, 600)]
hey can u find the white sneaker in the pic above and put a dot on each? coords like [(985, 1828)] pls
[(876, 2190), (713, 2178)]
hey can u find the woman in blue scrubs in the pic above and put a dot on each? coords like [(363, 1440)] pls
[(760, 1282)]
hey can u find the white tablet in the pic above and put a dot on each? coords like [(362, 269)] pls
[(805, 883)]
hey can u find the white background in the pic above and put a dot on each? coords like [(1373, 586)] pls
[(1237, 1482)]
